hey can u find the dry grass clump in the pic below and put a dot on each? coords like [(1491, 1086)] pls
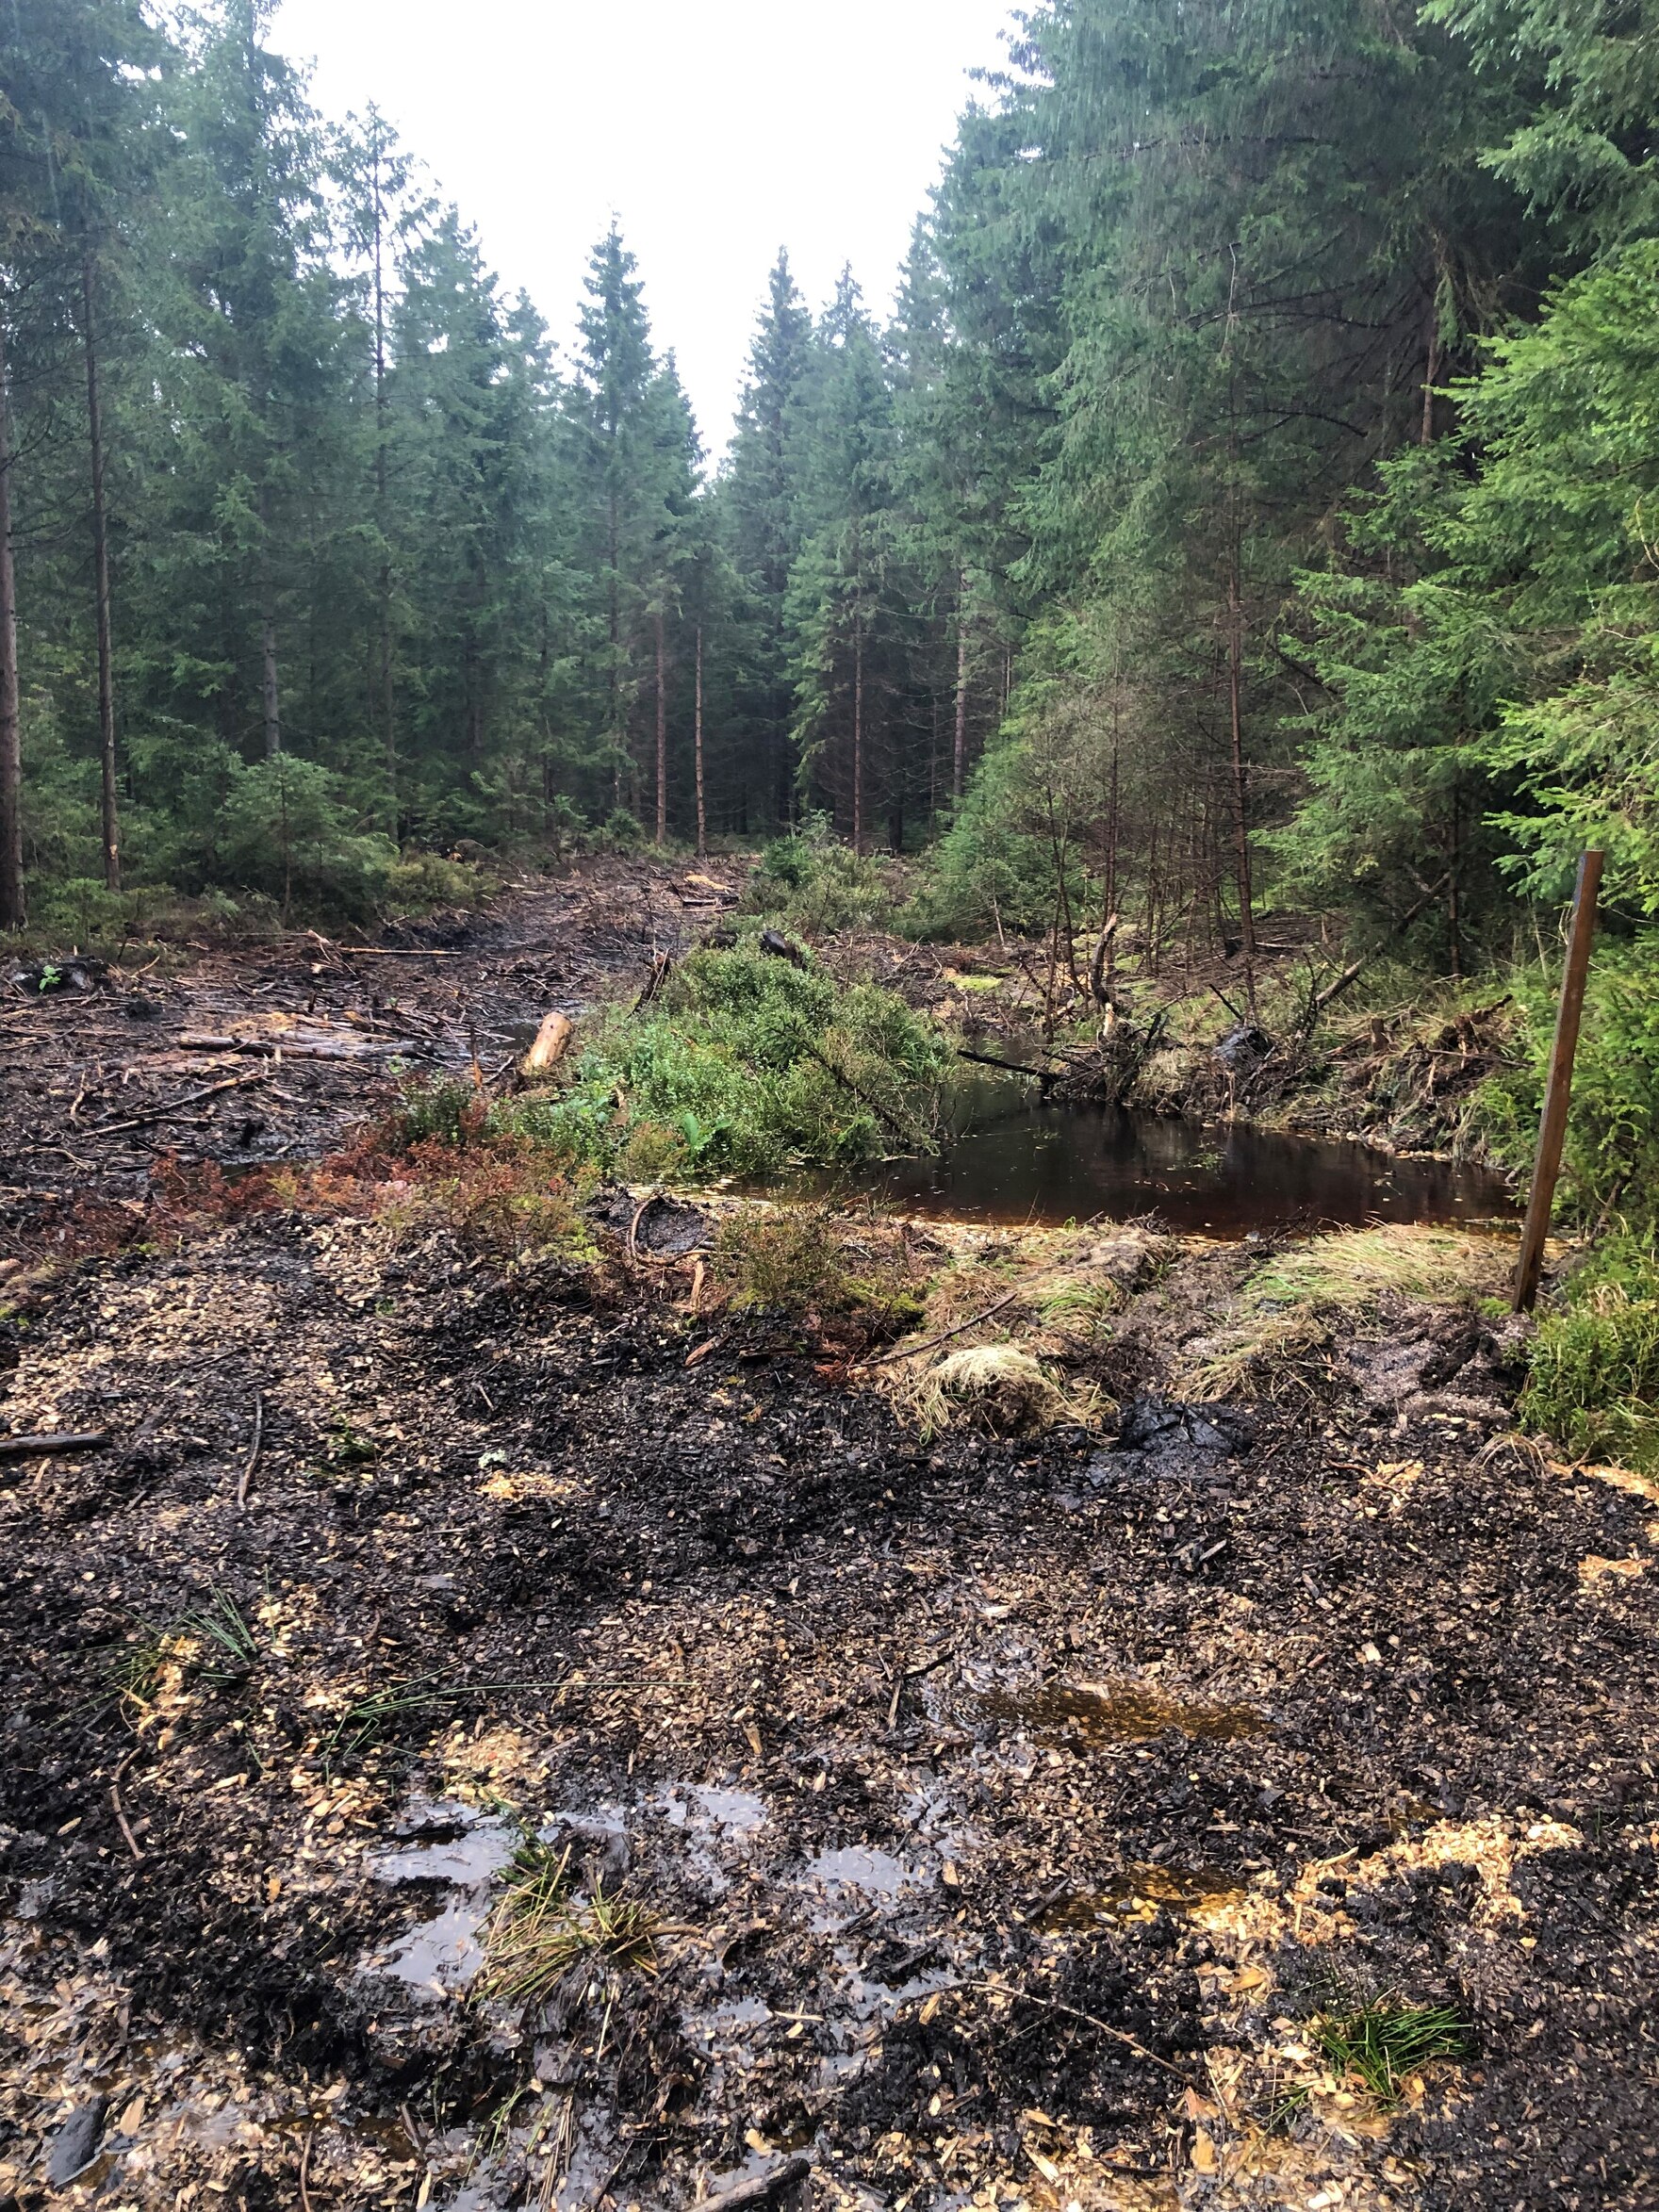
[(542, 1938), (996, 1387), (1289, 1306)]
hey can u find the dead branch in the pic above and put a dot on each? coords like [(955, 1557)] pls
[(166, 1113), (59, 1440), (760, 2189), (914, 1350)]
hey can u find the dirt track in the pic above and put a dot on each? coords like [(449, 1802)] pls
[(1009, 1809)]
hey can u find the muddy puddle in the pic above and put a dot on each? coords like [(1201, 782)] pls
[(1140, 1893), (1011, 1158), (1114, 1712)]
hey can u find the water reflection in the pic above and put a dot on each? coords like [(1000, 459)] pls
[(1015, 1159)]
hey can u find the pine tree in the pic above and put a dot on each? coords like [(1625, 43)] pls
[(760, 506)]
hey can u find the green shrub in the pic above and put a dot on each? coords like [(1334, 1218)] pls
[(797, 1260), (812, 883), (1593, 1386), (1612, 1160), (421, 883), (745, 1065)]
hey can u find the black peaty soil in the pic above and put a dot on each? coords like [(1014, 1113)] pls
[(1172, 1756)]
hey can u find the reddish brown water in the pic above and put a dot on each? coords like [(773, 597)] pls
[(1017, 1160)]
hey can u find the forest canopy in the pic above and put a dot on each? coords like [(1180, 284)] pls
[(1249, 498)]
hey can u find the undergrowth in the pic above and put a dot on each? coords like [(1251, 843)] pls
[(814, 883), (1593, 1382), (804, 1261), (743, 1064)]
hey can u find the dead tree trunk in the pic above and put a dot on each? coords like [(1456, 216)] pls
[(269, 689), (858, 734)]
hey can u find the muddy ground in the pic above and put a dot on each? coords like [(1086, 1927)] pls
[(1002, 1813)]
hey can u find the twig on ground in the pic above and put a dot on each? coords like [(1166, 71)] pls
[(1053, 2005), (166, 1113), (247, 1473), (914, 1350), (760, 2189), (115, 1806)]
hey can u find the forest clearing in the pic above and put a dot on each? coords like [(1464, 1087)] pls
[(830, 1106), (507, 1718)]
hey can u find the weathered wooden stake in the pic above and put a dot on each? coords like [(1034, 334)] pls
[(1552, 1129)]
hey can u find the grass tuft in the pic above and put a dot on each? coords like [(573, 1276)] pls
[(212, 1644), (541, 1936), (1593, 1382), (1383, 2043)]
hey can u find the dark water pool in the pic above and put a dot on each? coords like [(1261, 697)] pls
[(1015, 1159)]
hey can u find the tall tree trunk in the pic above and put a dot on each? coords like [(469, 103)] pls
[(702, 822), (101, 587), (1454, 888), (388, 680), (858, 734), (960, 757), (14, 913), (1240, 778), (270, 690), (661, 731), (613, 566)]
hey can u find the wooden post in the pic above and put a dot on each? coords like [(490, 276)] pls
[(1552, 1129)]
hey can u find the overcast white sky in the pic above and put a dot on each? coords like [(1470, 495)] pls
[(717, 130)]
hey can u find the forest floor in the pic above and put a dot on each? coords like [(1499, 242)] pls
[(982, 1820)]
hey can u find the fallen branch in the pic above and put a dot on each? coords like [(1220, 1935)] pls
[(59, 1440), (166, 1113), (760, 2189), (893, 1126), (914, 1351), (274, 1048), (986, 1059)]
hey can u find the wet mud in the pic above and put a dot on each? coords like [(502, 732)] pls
[(1001, 1815)]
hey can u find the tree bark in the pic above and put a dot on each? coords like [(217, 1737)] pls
[(702, 821), (389, 688), (112, 823), (960, 755), (270, 690), (1240, 778), (13, 913), (858, 734), (661, 731)]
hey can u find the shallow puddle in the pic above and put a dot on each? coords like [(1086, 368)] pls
[(467, 1852), (1015, 1159), (857, 1866), (1140, 1893), (442, 1955), (1117, 1712)]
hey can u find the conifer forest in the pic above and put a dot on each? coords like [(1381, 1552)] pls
[(830, 1242)]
